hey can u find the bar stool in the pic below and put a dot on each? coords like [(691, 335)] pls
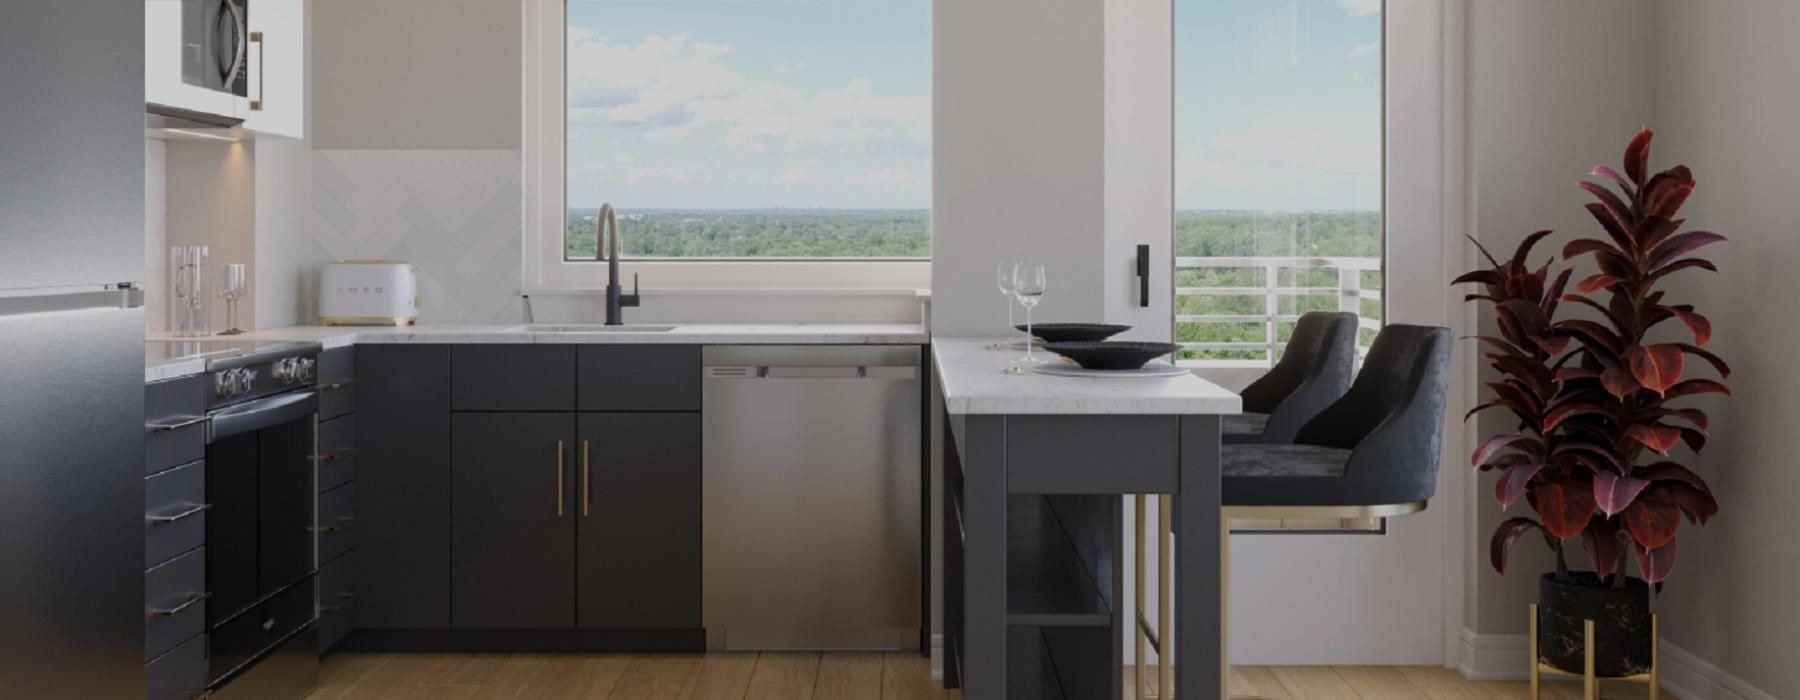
[(1371, 454), (1315, 370)]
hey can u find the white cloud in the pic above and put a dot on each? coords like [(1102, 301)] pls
[(676, 88), (1365, 50), (1360, 8), (795, 176)]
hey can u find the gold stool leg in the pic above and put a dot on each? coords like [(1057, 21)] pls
[(1536, 673), (1590, 683), (1139, 681), (1655, 654), (1165, 576)]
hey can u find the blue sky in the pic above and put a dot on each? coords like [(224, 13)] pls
[(750, 103), (1278, 104), (804, 103)]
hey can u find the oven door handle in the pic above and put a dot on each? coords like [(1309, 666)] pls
[(262, 413)]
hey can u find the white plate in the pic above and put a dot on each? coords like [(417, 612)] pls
[(1149, 371)]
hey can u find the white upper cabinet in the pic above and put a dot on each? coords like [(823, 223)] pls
[(192, 50), (277, 68)]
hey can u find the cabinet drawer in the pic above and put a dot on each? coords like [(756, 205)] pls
[(337, 518), (179, 674), (512, 378), (174, 603), (174, 512), (337, 452), (639, 378), (337, 600), (243, 637), (337, 382), (174, 433)]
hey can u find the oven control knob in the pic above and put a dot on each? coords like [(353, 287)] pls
[(306, 368), (287, 370), (246, 381), (224, 384)]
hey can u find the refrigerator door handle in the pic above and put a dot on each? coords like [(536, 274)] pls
[(60, 299)]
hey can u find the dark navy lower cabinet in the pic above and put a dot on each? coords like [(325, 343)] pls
[(638, 538), (403, 486), (512, 522)]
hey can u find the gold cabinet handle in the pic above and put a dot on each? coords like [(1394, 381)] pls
[(256, 105), (585, 491), (559, 478)]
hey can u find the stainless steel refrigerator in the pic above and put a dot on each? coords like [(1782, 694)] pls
[(71, 349)]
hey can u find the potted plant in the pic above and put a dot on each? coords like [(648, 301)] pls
[(1593, 395)]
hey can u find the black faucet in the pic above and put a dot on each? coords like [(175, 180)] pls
[(615, 298)]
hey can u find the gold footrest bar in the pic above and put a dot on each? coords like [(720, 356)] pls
[(1590, 682)]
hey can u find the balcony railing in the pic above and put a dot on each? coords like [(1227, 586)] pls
[(1349, 292)]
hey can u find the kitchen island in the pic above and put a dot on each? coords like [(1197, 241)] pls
[(1034, 467)]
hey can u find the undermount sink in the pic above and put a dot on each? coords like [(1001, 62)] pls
[(592, 328)]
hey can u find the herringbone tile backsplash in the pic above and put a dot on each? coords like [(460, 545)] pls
[(454, 214)]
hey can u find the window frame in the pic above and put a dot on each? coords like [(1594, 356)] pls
[(544, 190)]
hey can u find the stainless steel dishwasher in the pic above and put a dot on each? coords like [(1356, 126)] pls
[(811, 486)]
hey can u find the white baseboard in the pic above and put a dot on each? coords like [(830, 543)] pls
[(1693, 678), (937, 658), (1502, 657)]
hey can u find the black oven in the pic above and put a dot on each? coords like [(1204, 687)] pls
[(259, 480)]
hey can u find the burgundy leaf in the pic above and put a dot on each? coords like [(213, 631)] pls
[(1569, 410), (1680, 265), (1569, 374), (1592, 334), (1487, 277), (1656, 367), (1637, 156), (1667, 196), (1680, 245), (1610, 174), (1613, 493), (1525, 246), (1692, 415), (1602, 452), (1650, 230), (1616, 209), (1696, 503), (1695, 439), (1657, 437), (1512, 483), (1565, 506), (1701, 327), (1652, 523), (1488, 447), (1656, 564), (1504, 537), (1618, 382), (1673, 472), (1500, 343), (1614, 227), (1596, 283), (1583, 246), (1718, 364), (1696, 386), (1601, 540)]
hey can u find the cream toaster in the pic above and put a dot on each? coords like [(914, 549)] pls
[(369, 293)]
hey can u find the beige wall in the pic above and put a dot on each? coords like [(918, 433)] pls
[(1557, 87), (416, 74), (1017, 165), (1727, 108)]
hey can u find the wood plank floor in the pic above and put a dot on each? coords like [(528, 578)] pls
[(832, 676)]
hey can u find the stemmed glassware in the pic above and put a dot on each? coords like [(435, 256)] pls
[(1028, 285), (1003, 278), (232, 286)]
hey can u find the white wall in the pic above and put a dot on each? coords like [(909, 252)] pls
[(1726, 107), (210, 201), (1556, 88), (1017, 165), (1139, 164)]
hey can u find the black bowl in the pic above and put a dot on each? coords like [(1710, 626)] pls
[(1111, 355), (1075, 332)]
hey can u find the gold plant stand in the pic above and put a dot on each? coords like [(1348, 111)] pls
[(1590, 689)]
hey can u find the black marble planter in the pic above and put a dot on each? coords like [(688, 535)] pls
[(1621, 618)]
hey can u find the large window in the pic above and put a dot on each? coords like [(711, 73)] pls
[(749, 129), (1279, 119), (1279, 177)]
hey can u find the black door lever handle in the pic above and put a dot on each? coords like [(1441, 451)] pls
[(1143, 274)]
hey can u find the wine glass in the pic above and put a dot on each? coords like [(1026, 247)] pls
[(1003, 278), (232, 286), (1028, 286)]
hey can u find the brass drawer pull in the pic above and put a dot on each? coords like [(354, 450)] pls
[(328, 529), (336, 385), (177, 425), (191, 511), (340, 454), (559, 478), (345, 596), (193, 599), (585, 491)]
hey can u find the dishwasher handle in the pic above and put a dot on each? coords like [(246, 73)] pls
[(902, 372)]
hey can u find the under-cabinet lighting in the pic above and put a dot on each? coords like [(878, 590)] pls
[(202, 134)]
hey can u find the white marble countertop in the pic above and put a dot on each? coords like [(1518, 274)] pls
[(516, 333), (973, 381)]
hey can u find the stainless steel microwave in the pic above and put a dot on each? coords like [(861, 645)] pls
[(197, 59), (214, 37)]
